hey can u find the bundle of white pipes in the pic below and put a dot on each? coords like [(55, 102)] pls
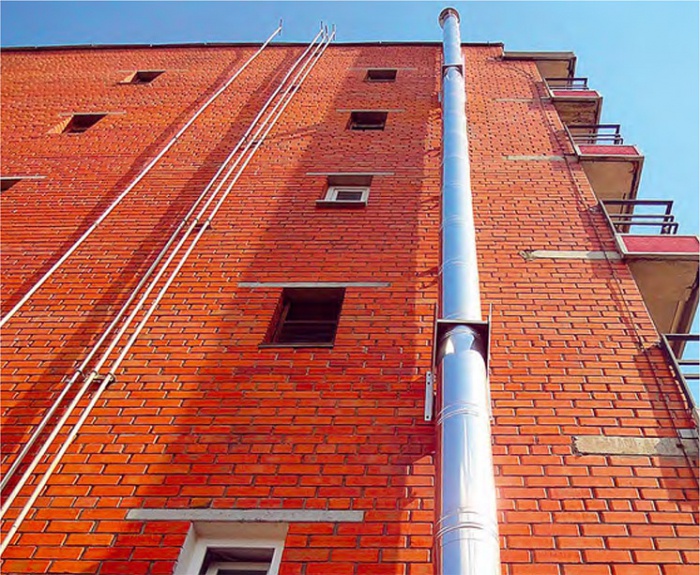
[(466, 530), (236, 162)]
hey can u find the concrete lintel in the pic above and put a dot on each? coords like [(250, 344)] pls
[(349, 173), (313, 284), (399, 68), (570, 255), (543, 158), (389, 110), (91, 113), (251, 515), (651, 446), (523, 100)]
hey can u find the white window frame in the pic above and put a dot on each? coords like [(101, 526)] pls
[(205, 535), (214, 568), (332, 193)]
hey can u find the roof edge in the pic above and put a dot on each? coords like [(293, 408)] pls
[(222, 45)]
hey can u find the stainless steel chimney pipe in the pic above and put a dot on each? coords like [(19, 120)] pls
[(466, 533)]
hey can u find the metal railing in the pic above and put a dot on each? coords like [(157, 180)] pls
[(601, 134), (567, 83), (623, 219), (685, 361)]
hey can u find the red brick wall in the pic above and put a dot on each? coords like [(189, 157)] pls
[(201, 417)]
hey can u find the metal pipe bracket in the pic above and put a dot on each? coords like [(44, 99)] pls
[(442, 326)]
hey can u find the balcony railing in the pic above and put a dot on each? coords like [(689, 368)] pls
[(683, 352), (625, 218), (567, 83), (596, 134)]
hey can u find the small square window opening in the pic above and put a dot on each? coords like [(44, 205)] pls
[(232, 548), (308, 316), (7, 183), (347, 194), (367, 120), (142, 77), (381, 75), (346, 191), (80, 123)]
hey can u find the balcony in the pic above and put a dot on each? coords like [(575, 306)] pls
[(682, 351), (549, 64), (664, 264), (575, 102), (613, 167)]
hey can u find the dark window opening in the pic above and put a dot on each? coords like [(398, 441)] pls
[(236, 561), (367, 120), (308, 316), (7, 183), (80, 123), (346, 191), (380, 75), (144, 76)]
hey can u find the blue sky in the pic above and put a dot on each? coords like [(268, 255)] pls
[(642, 56)]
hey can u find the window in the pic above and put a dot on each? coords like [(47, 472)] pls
[(7, 183), (367, 120), (237, 561), (223, 548), (346, 191), (381, 75), (142, 77), (347, 194), (307, 317), (80, 123)]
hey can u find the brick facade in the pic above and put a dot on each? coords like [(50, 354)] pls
[(201, 417)]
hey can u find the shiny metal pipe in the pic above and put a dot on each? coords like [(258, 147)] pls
[(466, 528)]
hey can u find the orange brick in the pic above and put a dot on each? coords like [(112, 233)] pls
[(202, 417)]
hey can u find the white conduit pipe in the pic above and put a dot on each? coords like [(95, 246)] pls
[(115, 340), (129, 320), (131, 186), (76, 428), (466, 530), (211, 216), (80, 370)]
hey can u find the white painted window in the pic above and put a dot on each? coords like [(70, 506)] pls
[(347, 194), (214, 548)]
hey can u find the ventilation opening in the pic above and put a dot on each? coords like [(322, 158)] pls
[(308, 316), (145, 76), (142, 77), (236, 561), (347, 194), (367, 120), (381, 75), (346, 191), (80, 123), (7, 183)]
